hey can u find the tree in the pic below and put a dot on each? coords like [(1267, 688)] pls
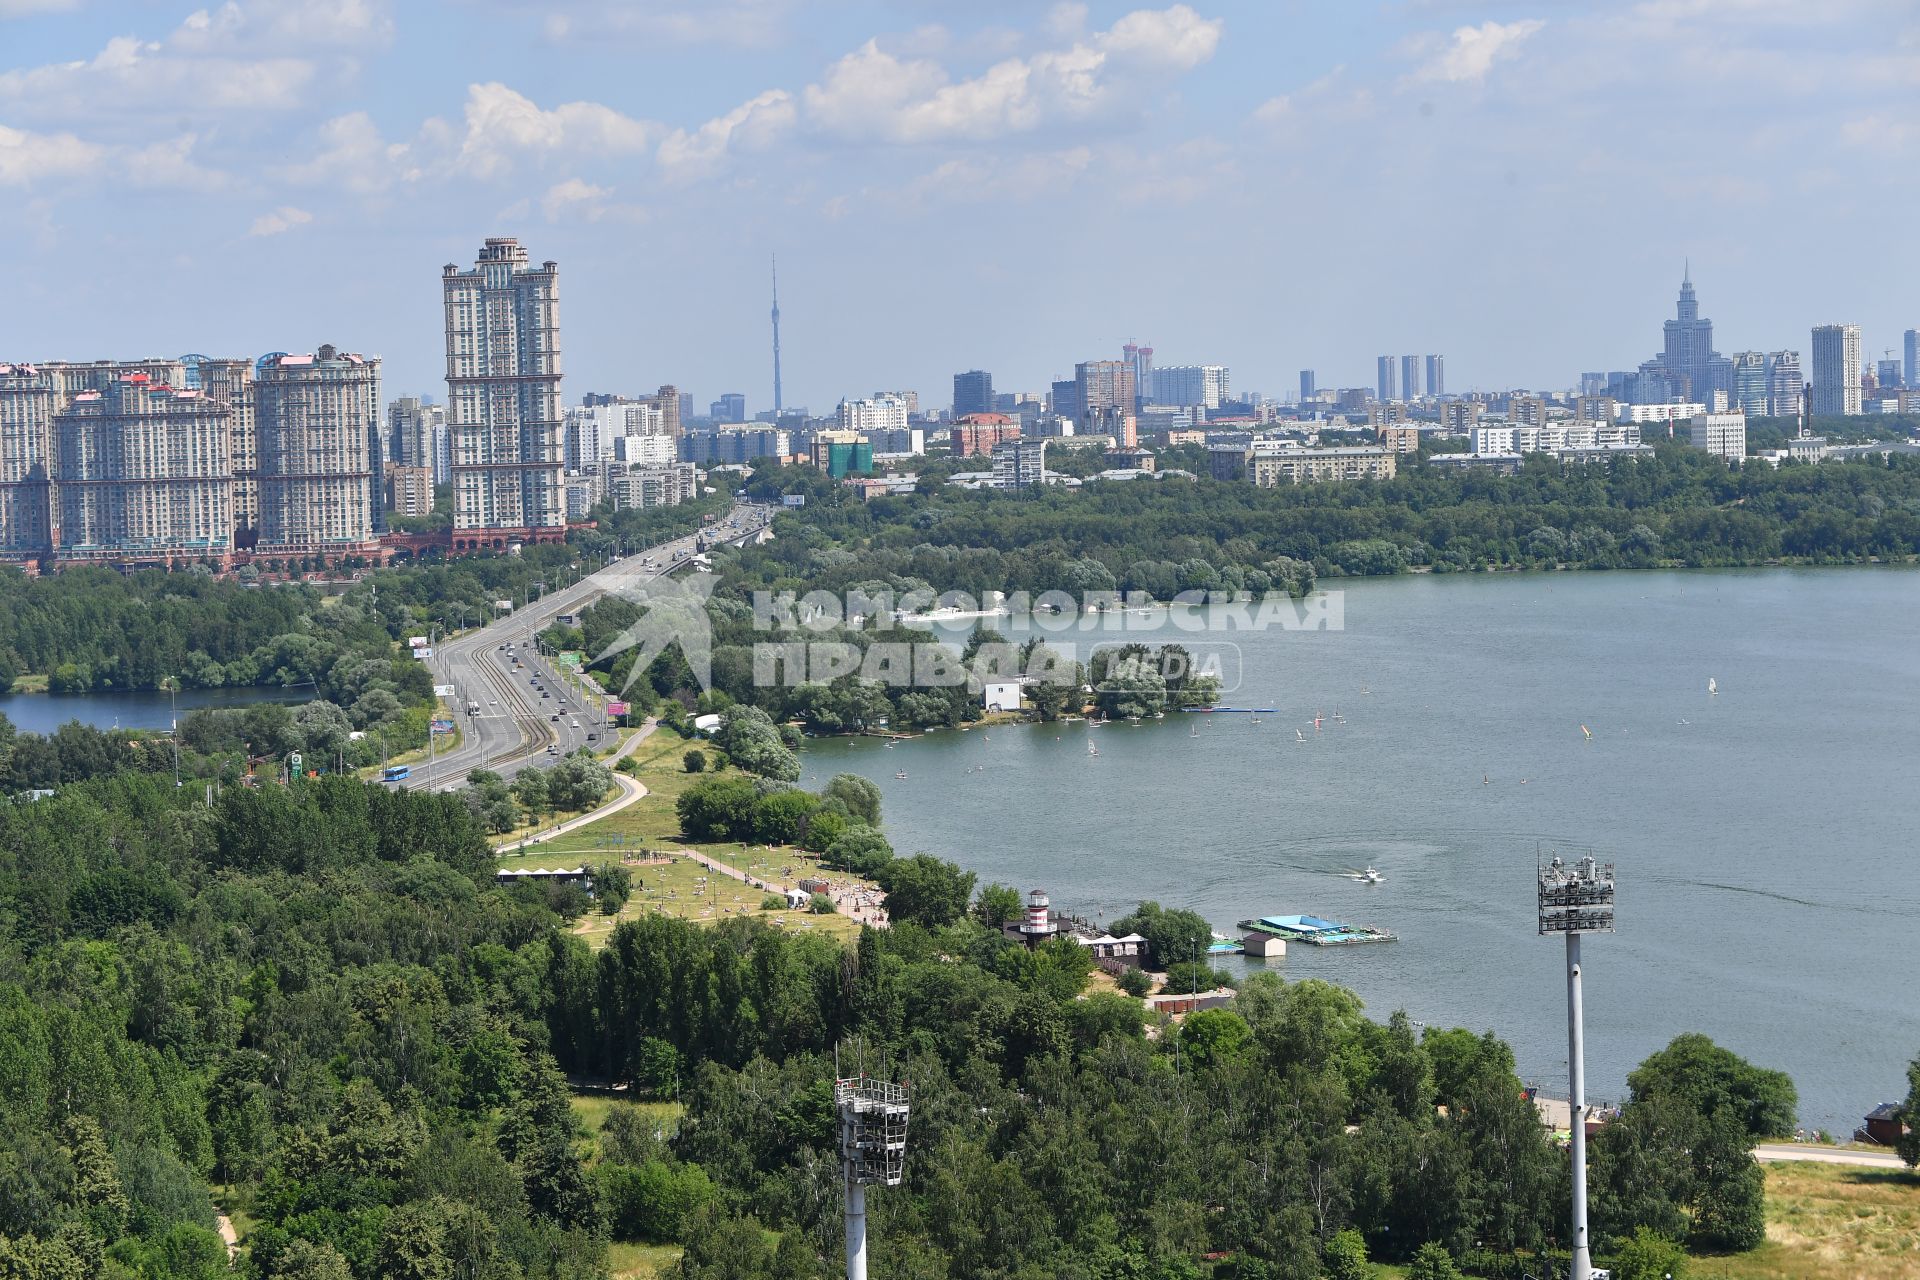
[(1135, 982), (926, 891), (1345, 1257), (1171, 936), (1699, 1073), (861, 796), (751, 741), (1649, 1256), (1908, 1144), (1431, 1262), (695, 761), (998, 904)]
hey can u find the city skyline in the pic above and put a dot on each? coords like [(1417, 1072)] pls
[(851, 141)]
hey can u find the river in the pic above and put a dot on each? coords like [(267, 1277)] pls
[(45, 712), (1765, 837)]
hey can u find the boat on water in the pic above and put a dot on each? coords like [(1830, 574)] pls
[(1299, 736), (1222, 945), (1315, 932), (901, 774), (1713, 686), (1092, 750)]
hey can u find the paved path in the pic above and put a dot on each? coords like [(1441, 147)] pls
[(229, 1235), (630, 791), (1827, 1155)]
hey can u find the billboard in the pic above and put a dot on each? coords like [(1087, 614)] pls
[(443, 726), (617, 708), (570, 658)]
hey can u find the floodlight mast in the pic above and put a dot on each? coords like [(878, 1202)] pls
[(1576, 899), (873, 1152)]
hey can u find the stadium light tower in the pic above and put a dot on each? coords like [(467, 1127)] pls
[(873, 1152), (1577, 899)]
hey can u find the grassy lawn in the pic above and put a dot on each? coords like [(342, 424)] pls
[(630, 1261), (641, 1261), (680, 887), (1831, 1222)]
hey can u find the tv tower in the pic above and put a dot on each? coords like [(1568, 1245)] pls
[(776, 339)]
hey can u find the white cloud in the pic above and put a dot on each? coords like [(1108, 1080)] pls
[(744, 23), (1472, 51), (261, 55), (753, 125), (578, 198), (353, 155), (871, 93), (25, 158), (285, 218), (503, 123)]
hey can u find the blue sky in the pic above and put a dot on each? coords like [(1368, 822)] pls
[(949, 184)]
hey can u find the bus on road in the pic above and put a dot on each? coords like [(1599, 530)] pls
[(394, 773)]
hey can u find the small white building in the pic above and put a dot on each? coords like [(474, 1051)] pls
[(1000, 695), (1722, 434)]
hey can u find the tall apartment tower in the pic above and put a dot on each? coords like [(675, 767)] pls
[(1436, 376), (1836, 370), (26, 462), (972, 392), (409, 433), (1141, 358), (145, 474), (1103, 385), (1912, 354), (1385, 389), (1785, 384), (320, 475), (1410, 377), (1306, 385), (503, 398), (1752, 387), (231, 383)]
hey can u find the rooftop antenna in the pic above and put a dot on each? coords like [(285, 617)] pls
[(1574, 899), (873, 1149)]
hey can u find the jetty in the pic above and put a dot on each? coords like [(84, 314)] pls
[(1314, 932)]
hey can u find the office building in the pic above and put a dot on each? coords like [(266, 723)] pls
[(1437, 376), (1019, 463), (1687, 361), (883, 413), (319, 422), (1140, 359), (1886, 374), (1721, 434), (27, 511), (1191, 386), (1102, 384), (143, 475), (503, 398), (972, 393), (1786, 386), (744, 444), (1385, 388), (1306, 385), (977, 434), (842, 453), (1912, 357), (1410, 377), (1836, 370), (1752, 390), (731, 407)]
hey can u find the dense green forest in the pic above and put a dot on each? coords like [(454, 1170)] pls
[(1681, 507), (314, 1003)]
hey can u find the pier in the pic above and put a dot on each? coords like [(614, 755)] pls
[(1315, 932)]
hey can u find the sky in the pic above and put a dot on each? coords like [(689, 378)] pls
[(1011, 185)]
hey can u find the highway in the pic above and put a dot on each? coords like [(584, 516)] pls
[(526, 712)]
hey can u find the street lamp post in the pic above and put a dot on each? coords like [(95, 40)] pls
[(1576, 899)]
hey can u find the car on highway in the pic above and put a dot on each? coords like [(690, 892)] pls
[(554, 719)]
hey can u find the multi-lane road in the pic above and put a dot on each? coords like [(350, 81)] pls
[(514, 708)]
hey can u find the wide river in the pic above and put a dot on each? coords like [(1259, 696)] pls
[(1767, 838)]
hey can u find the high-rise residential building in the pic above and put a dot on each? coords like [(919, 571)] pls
[(503, 398), (1306, 385), (320, 473), (972, 392), (144, 474), (409, 490), (1191, 386), (910, 399), (231, 383), (1786, 385), (1912, 354), (1141, 360), (27, 511), (1385, 388), (1019, 463), (1410, 377), (409, 438), (1836, 370), (442, 439), (1437, 376), (1752, 393), (583, 438), (1101, 385), (731, 407), (979, 433), (883, 413)]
